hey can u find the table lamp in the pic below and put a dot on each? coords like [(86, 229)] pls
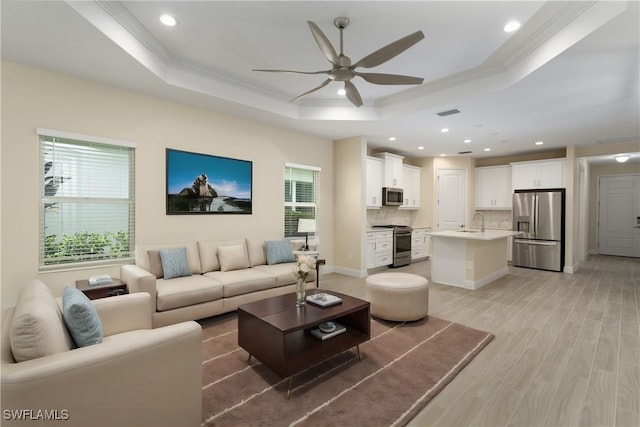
[(306, 226)]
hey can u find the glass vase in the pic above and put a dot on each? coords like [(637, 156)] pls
[(301, 292)]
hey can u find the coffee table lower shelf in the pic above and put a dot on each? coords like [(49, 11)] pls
[(277, 333)]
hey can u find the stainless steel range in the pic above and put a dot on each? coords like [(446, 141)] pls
[(401, 244)]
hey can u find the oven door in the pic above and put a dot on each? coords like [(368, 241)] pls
[(401, 248)]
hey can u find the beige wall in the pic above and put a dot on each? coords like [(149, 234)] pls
[(537, 155), (33, 98), (350, 204), (424, 217)]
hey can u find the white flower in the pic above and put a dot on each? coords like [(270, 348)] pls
[(304, 265)]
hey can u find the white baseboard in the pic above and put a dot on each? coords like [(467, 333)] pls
[(349, 271), (570, 269)]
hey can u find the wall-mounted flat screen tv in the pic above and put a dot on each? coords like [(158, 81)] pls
[(207, 184)]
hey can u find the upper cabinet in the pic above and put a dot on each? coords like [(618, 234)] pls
[(493, 188), (391, 169), (538, 174), (374, 182), (411, 189)]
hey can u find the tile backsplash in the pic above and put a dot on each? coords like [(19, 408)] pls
[(494, 219), (389, 215)]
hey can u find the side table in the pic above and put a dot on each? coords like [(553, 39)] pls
[(102, 291)]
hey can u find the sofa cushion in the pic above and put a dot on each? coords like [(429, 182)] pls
[(209, 253), (37, 328), (279, 251), (233, 257), (175, 263), (81, 317), (155, 264), (142, 257), (185, 291), (256, 252), (283, 273), (240, 282)]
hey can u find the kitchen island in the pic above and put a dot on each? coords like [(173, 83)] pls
[(469, 258)]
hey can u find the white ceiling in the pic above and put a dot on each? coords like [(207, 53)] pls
[(569, 76)]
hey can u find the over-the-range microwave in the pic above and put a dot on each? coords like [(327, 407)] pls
[(392, 196)]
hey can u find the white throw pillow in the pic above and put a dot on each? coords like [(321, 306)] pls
[(37, 327), (233, 257)]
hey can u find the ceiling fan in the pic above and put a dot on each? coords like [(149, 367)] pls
[(344, 71)]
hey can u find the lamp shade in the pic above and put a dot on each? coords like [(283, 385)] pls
[(306, 225)]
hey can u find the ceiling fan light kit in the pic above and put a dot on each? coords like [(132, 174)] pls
[(344, 71)]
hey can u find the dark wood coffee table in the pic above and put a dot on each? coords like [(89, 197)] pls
[(277, 332)]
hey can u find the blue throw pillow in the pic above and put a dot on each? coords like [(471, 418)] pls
[(279, 251), (175, 263), (81, 317)]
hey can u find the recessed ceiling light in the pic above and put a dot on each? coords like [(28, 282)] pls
[(342, 92), (421, 148), (393, 138), (511, 26), (539, 142), (466, 141), (622, 158), (444, 130), (442, 155), (168, 20), (487, 149)]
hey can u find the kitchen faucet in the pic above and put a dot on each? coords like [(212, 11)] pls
[(482, 223)]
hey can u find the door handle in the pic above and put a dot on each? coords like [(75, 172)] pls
[(533, 242)]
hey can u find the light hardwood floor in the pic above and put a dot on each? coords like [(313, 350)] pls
[(566, 352)]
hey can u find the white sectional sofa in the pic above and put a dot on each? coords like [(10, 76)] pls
[(224, 275), (136, 377)]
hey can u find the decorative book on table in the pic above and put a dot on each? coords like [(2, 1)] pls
[(324, 300), (339, 329)]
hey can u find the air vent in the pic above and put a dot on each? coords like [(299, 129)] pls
[(465, 152), (448, 112)]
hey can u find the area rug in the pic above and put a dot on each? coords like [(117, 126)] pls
[(402, 368)]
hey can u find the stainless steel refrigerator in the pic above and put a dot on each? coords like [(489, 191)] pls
[(539, 217)]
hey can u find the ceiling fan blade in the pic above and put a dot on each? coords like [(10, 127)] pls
[(389, 51), (323, 43), (323, 84), (293, 71), (390, 79), (352, 93)]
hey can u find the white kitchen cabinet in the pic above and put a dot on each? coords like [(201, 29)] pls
[(391, 169), (538, 174), (384, 248), (411, 187), (379, 248), (420, 243), (370, 249), (374, 183), (510, 248), (493, 188)]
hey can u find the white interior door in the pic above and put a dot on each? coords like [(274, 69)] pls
[(619, 215), (452, 198)]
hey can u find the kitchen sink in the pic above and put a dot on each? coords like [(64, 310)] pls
[(468, 231)]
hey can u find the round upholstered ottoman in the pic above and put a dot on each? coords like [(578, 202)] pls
[(398, 296)]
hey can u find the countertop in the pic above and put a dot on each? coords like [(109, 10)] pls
[(474, 234)]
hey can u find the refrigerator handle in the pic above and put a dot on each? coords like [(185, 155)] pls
[(536, 214)]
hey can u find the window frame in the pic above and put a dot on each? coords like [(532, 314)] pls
[(294, 204), (81, 140)]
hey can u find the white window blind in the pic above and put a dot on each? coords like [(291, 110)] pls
[(87, 200), (300, 196)]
